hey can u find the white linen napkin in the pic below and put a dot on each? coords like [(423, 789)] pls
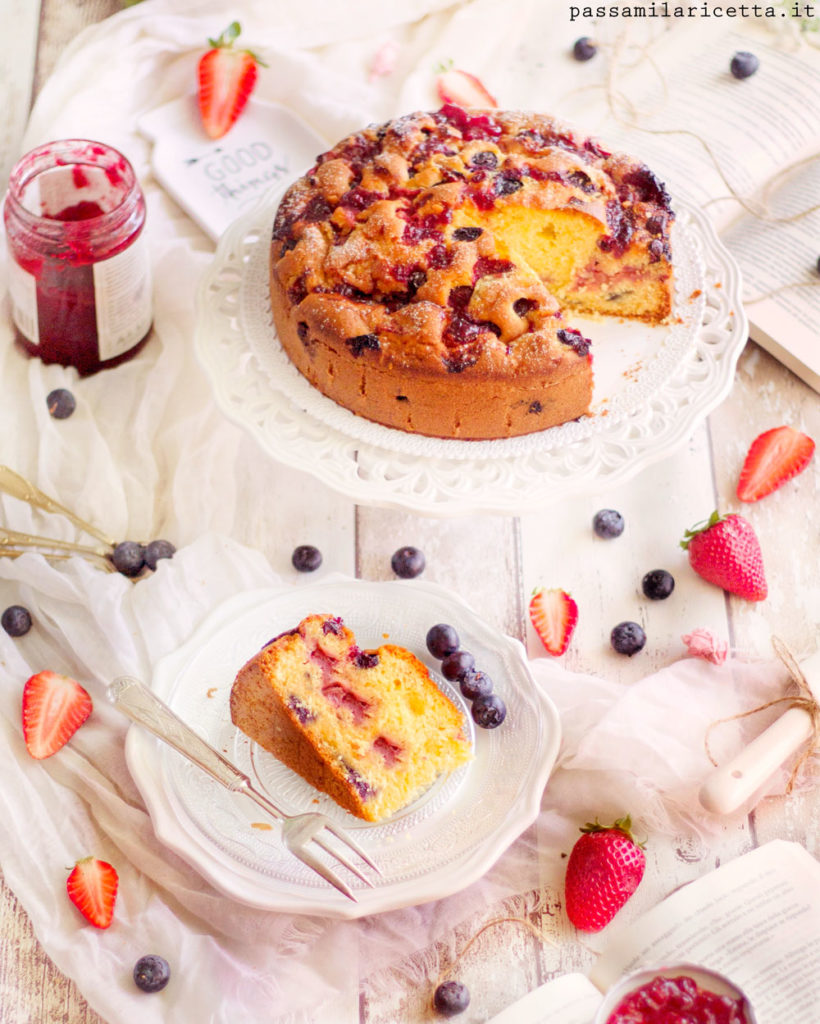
[(148, 448)]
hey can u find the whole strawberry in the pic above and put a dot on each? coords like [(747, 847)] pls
[(725, 551), (604, 869)]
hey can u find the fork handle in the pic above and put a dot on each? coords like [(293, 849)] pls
[(142, 706)]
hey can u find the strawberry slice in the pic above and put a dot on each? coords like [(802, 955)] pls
[(54, 708), (463, 89), (92, 888), (226, 79), (773, 458), (554, 614)]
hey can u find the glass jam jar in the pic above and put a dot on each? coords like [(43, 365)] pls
[(79, 273)]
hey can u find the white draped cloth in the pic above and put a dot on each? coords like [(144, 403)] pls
[(147, 454)]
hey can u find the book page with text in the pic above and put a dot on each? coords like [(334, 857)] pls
[(755, 920)]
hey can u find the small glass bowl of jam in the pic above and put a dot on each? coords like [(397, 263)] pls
[(667, 995), (79, 273)]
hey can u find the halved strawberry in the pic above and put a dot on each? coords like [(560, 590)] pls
[(226, 80), (463, 89), (773, 458), (54, 708), (92, 888), (553, 613)]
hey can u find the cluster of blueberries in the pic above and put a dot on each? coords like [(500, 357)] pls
[(628, 637), (488, 709)]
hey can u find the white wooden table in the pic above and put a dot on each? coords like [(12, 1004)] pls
[(496, 562)]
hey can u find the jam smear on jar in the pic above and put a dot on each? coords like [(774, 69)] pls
[(79, 277)]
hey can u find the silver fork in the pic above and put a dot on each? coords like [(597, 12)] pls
[(142, 706)]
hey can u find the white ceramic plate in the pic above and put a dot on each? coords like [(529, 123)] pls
[(653, 386), (441, 843)]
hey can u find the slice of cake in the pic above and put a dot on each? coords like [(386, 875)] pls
[(369, 728), (423, 274)]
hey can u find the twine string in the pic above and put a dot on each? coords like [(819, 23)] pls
[(804, 700)]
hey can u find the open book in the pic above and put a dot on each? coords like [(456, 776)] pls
[(755, 920), (755, 130)]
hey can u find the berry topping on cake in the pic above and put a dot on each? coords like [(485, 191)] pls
[(627, 638), (773, 459), (658, 584), (92, 888), (54, 708), (16, 620), (554, 615), (151, 973), (608, 524), (584, 49)]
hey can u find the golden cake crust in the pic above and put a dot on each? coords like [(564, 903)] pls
[(419, 271)]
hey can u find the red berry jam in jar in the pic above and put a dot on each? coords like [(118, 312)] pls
[(670, 1000), (79, 276)]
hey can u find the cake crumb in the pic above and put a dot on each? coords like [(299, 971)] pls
[(695, 294), (263, 826), (211, 691)]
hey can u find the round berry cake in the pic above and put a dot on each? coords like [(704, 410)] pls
[(422, 270)]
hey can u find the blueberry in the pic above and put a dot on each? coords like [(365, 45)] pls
[(476, 684), (156, 550), (627, 638), (306, 558), (457, 666), (408, 563), (151, 973), (451, 998), (584, 49), (608, 523), (818, 264), (61, 403), (744, 64), (658, 584), (16, 620), (128, 558), (489, 711), (442, 640)]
